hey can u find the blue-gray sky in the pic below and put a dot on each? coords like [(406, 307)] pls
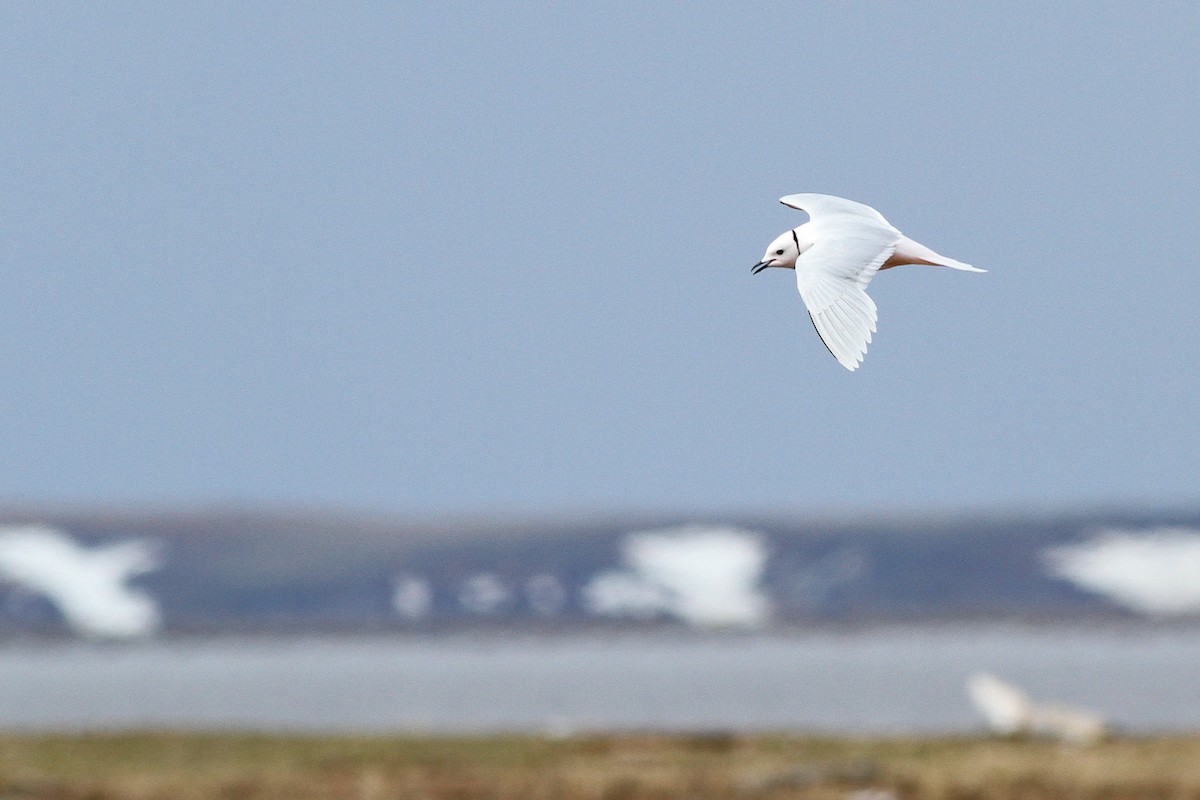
[(478, 257)]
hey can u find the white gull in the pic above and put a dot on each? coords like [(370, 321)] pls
[(835, 255)]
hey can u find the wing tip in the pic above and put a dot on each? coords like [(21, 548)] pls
[(850, 362)]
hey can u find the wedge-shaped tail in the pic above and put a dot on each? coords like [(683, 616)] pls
[(909, 251)]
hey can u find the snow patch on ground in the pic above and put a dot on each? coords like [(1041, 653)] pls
[(88, 585), (1009, 711), (707, 576), (1155, 572)]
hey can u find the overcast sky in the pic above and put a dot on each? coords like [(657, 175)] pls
[(496, 257)]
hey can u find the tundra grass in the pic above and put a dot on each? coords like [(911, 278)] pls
[(166, 766)]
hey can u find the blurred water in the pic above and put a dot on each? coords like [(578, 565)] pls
[(885, 681)]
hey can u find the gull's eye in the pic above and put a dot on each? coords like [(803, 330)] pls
[(778, 252)]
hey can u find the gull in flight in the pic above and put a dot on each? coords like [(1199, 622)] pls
[(835, 255)]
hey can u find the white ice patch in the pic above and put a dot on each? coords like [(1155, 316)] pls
[(623, 594), (707, 576), (483, 594), (411, 596), (1153, 572), (86, 584)]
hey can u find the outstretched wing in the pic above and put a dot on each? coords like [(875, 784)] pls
[(832, 276), (826, 208)]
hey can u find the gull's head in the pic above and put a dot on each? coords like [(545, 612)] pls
[(782, 252)]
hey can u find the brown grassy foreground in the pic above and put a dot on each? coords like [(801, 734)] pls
[(247, 767)]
